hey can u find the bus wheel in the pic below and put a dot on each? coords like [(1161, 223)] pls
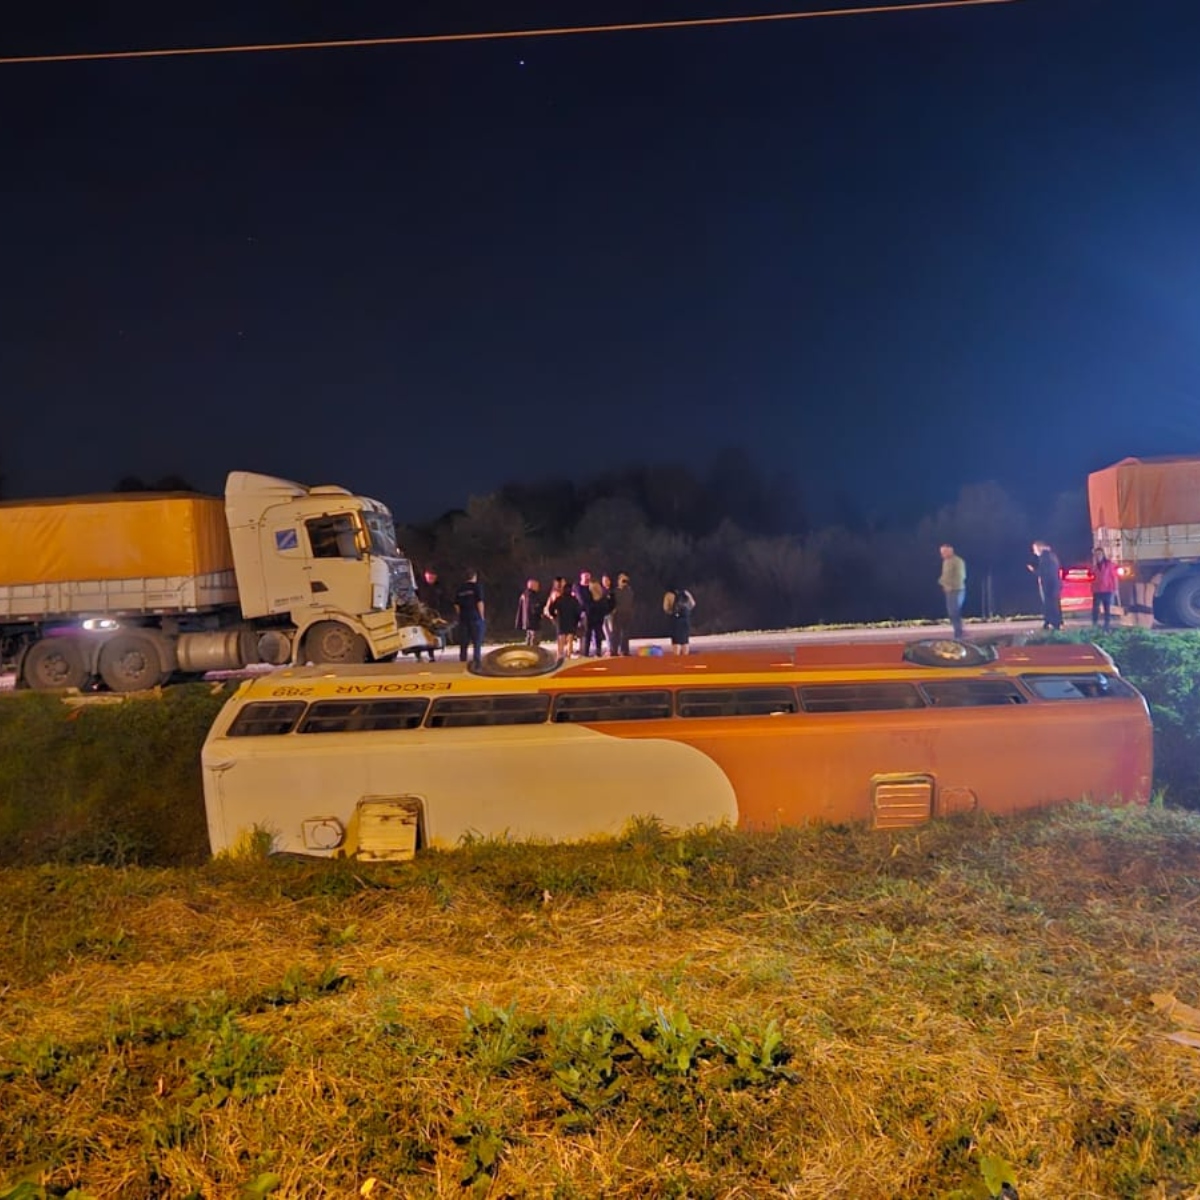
[(333, 642), (129, 662), (54, 663), (518, 660), (944, 652)]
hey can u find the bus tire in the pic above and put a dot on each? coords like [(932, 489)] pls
[(129, 662), (54, 663), (333, 642), (518, 660), (945, 652)]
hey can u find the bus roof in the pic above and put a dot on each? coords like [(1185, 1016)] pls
[(857, 660)]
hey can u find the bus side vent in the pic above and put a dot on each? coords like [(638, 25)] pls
[(388, 828), (901, 801)]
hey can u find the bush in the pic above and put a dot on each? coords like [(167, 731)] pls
[(1165, 668), (113, 783)]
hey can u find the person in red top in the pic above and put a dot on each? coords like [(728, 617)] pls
[(1104, 584)]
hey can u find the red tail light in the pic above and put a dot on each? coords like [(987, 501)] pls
[(1077, 574)]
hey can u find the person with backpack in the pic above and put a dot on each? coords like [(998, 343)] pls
[(678, 604)]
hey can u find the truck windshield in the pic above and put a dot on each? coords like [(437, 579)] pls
[(382, 533)]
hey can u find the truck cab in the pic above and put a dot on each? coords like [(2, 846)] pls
[(321, 561)]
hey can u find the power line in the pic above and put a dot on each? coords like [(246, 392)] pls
[(497, 35)]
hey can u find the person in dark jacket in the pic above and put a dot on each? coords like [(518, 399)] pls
[(565, 611), (678, 604), (1049, 576), (529, 612), (582, 590), (468, 603), (622, 616), (596, 607), (432, 595)]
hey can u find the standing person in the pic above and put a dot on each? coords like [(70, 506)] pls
[(565, 611), (953, 582), (622, 616), (582, 591), (679, 604), (468, 603), (1049, 577), (432, 596), (595, 613), (1104, 584), (609, 596), (529, 612)]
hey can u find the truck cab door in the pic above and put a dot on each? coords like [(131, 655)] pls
[(337, 569)]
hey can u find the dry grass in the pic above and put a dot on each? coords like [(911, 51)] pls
[(965, 989)]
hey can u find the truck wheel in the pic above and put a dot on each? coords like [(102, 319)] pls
[(333, 642), (1184, 602), (518, 660), (54, 663), (129, 662)]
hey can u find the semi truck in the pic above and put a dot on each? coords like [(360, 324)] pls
[(1145, 513), (131, 589)]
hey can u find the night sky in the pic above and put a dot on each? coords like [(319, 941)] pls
[(891, 254)]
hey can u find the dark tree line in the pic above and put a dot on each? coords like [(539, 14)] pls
[(165, 483), (743, 544)]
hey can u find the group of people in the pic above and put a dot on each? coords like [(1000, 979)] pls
[(1048, 570), (591, 617)]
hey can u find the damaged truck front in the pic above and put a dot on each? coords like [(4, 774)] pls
[(132, 589)]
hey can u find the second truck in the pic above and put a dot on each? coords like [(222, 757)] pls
[(1146, 515), (132, 589)]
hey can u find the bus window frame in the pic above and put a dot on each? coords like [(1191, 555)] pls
[(897, 687), (1102, 680), (458, 708), (939, 693), (741, 703), (245, 723), (358, 713), (566, 704)]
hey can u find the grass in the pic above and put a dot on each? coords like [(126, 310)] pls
[(823, 1012)]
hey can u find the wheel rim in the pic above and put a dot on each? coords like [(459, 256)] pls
[(335, 643), (519, 658), (129, 663), (55, 667)]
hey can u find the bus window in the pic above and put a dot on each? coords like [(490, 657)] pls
[(736, 702), (266, 719), (611, 706), (971, 693), (1077, 687), (859, 697), (458, 712), (363, 716)]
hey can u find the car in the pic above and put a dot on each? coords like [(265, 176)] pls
[(1077, 590)]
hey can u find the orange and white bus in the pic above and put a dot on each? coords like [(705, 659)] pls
[(380, 760)]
